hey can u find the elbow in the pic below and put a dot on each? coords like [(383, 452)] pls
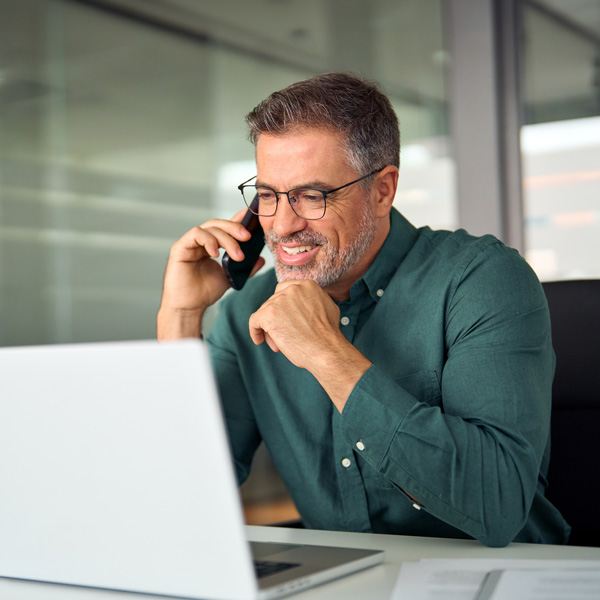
[(503, 523), (507, 497), (498, 537)]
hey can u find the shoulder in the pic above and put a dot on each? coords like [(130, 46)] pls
[(454, 246), (461, 253), (488, 284), (455, 267)]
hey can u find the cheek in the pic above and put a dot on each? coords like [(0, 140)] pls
[(336, 238), (339, 228), (266, 223)]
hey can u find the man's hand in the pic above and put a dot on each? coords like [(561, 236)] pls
[(194, 279), (302, 321), (299, 319)]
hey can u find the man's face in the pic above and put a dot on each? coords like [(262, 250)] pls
[(333, 251)]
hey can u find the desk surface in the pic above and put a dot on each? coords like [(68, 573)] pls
[(372, 584)]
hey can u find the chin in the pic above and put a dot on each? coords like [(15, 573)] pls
[(285, 273), (321, 276)]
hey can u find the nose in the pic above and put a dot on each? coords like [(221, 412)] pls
[(285, 220)]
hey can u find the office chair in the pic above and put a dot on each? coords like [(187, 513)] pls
[(574, 472)]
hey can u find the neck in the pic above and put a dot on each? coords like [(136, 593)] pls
[(340, 290)]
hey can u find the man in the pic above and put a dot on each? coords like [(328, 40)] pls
[(399, 377)]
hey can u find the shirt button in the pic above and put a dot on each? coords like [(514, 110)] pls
[(346, 462), (360, 446), (380, 293), (344, 320)]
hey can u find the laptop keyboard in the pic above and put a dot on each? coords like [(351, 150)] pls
[(269, 567)]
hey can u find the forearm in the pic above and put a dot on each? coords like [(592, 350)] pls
[(338, 369)]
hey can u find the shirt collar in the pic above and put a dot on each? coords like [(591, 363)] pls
[(400, 240)]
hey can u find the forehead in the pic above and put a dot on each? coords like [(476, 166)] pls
[(301, 156)]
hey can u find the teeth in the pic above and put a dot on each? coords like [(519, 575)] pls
[(296, 249)]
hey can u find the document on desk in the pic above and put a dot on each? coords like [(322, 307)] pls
[(462, 578), (567, 584)]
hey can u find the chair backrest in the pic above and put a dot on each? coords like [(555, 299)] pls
[(574, 473)]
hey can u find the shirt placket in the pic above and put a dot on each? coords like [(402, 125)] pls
[(348, 319), (352, 488)]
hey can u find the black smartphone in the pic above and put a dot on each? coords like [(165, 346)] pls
[(238, 272)]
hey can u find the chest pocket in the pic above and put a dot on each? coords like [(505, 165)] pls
[(424, 386)]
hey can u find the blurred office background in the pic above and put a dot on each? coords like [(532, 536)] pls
[(122, 126)]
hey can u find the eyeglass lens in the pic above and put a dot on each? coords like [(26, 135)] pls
[(306, 203)]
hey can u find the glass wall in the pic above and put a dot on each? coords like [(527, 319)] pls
[(120, 130), (122, 126), (561, 139)]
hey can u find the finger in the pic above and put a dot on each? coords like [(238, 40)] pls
[(233, 228), (271, 343), (237, 218), (295, 283), (222, 239), (257, 333), (210, 238), (191, 246)]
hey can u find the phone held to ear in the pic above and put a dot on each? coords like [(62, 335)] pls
[(238, 272)]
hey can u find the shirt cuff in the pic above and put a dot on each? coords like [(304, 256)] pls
[(373, 413)]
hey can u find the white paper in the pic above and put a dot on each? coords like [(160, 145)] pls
[(461, 579), (567, 584)]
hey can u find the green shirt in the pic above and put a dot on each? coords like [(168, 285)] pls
[(455, 410)]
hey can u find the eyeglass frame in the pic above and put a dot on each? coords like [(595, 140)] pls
[(324, 192)]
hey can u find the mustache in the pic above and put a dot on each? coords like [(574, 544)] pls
[(311, 238)]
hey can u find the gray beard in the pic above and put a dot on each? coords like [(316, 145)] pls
[(336, 261)]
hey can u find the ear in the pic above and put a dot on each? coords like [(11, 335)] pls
[(386, 182)]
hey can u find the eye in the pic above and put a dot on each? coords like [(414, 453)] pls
[(308, 196), (265, 195)]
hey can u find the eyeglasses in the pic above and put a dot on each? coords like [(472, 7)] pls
[(307, 203)]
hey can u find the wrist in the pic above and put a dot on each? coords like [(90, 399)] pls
[(175, 323), (339, 369)]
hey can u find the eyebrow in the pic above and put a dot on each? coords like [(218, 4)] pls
[(313, 185)]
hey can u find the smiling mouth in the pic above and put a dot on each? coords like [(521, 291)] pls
[(296, 249)]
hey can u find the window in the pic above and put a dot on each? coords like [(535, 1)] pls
[(561, 138), (122, 130)]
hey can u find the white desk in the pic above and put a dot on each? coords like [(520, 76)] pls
[(372, 584)]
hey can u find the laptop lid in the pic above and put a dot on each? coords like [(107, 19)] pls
[(117, 473)]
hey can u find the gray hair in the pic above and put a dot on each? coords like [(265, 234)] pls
[(339, 102)]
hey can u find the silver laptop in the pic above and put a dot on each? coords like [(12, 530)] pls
[(116, 473)]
